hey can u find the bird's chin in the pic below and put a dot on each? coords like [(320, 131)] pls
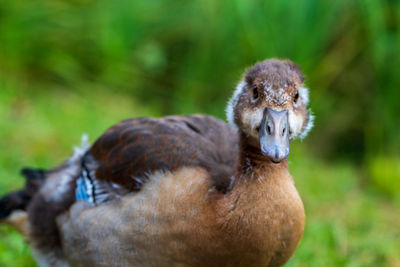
[(273, 160)]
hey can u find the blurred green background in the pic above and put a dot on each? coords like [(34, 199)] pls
[(79, 66)]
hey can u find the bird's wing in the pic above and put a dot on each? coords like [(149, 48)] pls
[(128, 153)]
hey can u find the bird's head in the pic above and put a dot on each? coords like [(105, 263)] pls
[(269, 106)]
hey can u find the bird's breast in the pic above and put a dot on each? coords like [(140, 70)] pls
[(177, 220)]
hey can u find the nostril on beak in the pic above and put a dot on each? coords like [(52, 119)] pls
[(283, 131), (269, 130)]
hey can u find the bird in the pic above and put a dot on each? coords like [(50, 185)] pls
[(181, 190)]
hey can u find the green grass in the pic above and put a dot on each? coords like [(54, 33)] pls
[(348, 223)]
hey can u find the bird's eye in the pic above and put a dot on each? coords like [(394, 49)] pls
[(296, 97), (255, 92)]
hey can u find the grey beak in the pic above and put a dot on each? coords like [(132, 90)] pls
[(274, 134)]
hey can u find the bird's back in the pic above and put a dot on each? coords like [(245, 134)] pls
[(132, 150)]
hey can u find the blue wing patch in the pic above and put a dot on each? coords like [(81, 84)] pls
[(90, 190), (81, 191)]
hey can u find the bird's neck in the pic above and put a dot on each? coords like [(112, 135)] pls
[(253, 163), (257, 178)]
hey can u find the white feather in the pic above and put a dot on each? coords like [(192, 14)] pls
[(79, 151), (230, 114), (309, 125), (295, 124), (251, 119), (304, 95), (58, 183)]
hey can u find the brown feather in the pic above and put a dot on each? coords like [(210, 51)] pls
[(135, 148)]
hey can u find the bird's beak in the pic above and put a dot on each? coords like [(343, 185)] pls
[(274, 134)]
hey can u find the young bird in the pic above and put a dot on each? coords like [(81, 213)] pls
[(179, 190)]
